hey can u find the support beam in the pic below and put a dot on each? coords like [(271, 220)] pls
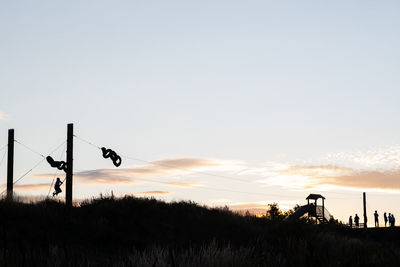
[(70, 147), (365, 210), (10, 164)]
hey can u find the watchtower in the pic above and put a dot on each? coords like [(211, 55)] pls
[(319, 212)]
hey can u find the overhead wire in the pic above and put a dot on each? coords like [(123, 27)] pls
[(56, 172), (86, 141), (213, 188), (168, 165), (30, 149), (157, 163), (31, 169), (3, 147), (4, 155)]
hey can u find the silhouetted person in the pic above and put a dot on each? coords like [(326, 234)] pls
[(57, 187), (376, 216), (390, 219), (385, 218), (393, 220), (351, 222), (357, 220)]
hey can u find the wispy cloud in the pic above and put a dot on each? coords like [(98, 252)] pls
[(154, 193), (378, 169), (157, 169), (383, 158), (331, 175), (32, 187), (182, 183)]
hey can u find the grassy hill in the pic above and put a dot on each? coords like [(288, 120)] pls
[(146, 232)]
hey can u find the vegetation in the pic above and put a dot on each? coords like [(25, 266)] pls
[(146, 232)]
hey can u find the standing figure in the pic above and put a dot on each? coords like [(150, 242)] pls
[(385, 218), (57, 187), (393, 220), (351, 222), (376, 215), (357, 220), (390, 219)]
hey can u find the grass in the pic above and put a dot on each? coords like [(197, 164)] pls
[(146, 232)]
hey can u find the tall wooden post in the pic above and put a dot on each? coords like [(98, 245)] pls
[(10, 164), (70, 147), (365, 210)]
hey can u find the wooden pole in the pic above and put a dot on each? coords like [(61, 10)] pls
[(365, 210), (70, 147), (10, 164)]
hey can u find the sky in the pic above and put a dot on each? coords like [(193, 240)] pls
[(238, 103)]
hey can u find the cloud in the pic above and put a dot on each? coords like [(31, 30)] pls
[(388, 180), (182, 183), (32, 187), (160, 168), (260, 208), (104, 176), (154, 193), (331, 175), (383, 158), (220, 200)]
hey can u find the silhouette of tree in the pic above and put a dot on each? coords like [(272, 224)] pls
[(273, 212)]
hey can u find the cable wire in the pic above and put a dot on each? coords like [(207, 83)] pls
[(185, 169), (2, 159), (87, 142), (37, 164), (56, 172), (169, 165), (30, 149), (157, 163), (3, 147)]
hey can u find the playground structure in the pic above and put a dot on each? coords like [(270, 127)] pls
[(319, 212)]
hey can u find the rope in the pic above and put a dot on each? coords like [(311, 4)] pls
[(3, 147), (30, 149), (56, 172), (187, 170), (211, 174), (37, 164), (168, 165), (87, 142), (25, 174), (217, 189), (4, 155)]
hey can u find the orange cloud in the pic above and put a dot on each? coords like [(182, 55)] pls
[(165, 168), (345, 177), (257, 208), (32, 187)]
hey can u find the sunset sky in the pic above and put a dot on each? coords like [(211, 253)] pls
[(239, 103)]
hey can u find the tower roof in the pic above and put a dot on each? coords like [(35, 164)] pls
[(315, 196)]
